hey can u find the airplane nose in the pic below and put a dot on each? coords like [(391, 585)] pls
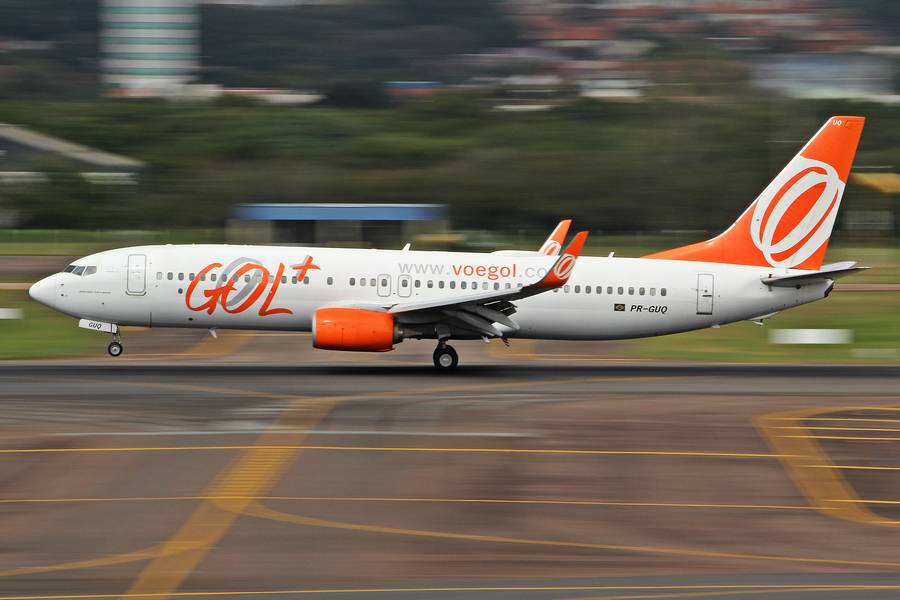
[(44, 291)]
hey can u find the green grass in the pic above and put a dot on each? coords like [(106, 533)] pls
[(58, 242), (42, 333), (873, 317)]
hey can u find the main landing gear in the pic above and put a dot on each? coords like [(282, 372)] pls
[(115, 347), (445, 357)]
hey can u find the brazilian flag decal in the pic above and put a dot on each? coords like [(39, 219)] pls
[(619, 308)]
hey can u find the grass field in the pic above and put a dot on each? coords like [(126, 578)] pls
[(42, 333), (873, 317)]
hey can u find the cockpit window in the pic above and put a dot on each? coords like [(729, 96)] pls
[(81, 271)]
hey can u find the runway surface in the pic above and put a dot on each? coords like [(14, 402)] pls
[(546, 479)]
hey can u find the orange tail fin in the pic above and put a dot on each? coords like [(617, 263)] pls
[(790, 223)]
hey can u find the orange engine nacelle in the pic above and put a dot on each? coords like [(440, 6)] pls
[(355, 330)]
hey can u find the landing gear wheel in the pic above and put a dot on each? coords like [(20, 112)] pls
[(445, 358), (115, 349)]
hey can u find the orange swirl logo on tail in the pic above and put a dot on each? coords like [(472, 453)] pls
[(787, 204)]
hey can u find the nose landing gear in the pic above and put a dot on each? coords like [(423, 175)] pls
[(445, 357)]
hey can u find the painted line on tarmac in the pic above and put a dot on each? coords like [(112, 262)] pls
[(816, 476), (258, 430), (250, 475), (510, 501), (725, 588), (848, 438), (421, 449), (264, 512)]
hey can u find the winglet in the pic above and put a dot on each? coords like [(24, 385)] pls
[(561, 270), (554, 243)]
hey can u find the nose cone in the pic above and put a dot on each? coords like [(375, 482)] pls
[(44, 291)]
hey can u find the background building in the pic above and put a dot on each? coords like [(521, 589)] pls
[(149, 47)]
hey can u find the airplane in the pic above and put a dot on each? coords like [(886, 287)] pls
[(770, 259)]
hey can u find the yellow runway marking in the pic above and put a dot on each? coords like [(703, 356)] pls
[(876, 420), (817, 477), (250, 475), (556, 588), (527, 502), (264, 512), (115, 559), (283, 447), (841, 428), (854, 467), (846, 437)]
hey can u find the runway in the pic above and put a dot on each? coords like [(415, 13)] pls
[(179, 479)]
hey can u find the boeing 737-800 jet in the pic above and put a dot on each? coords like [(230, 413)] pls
[(769, 260)]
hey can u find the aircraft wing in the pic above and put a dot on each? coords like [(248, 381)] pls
[(476, 313), (826, 273)]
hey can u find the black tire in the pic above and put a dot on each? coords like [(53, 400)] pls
[(445, 358), (115, 349)]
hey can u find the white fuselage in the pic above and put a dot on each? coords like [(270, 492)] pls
[(605, 298)]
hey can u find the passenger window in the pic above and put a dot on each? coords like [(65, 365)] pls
[(372, 282), (330, 280), (362, 282), (577, 289), (652, 291), (599, 289), (191, 276), (203, 277), (404, 283), (181, 277), (430, 284), (417, 283), (641, 291), (566, 289), (587, 289), (306, 281), (609, 289), (294, 279), (508, 285), (621, 290), (631, 291), (169, 277), (353, 281), (441, 284), (384, 283), (159, 275), (283, 279), (662, 292), (463, 285), (212, 276), (496, 285), (484, 285), (452, 285), (246, 277)]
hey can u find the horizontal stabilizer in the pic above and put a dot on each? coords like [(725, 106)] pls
[(826, 273)]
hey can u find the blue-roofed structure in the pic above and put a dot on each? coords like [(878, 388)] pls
[(353, 223), (340, 212)]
